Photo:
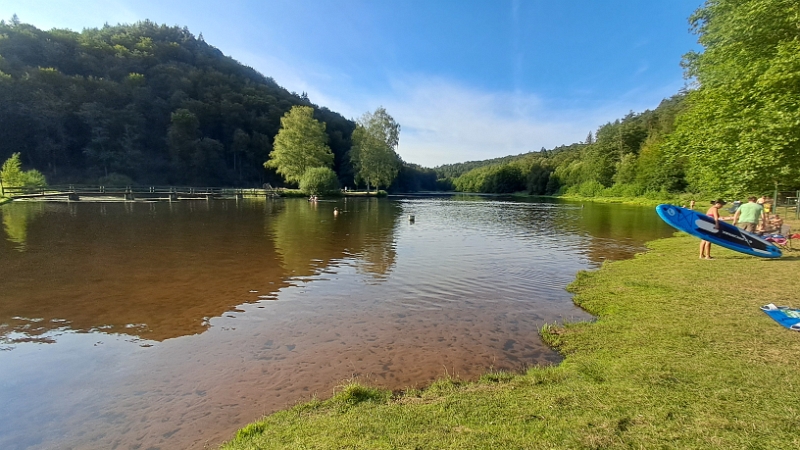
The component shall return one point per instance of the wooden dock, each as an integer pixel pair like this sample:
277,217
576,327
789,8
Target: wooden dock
133,193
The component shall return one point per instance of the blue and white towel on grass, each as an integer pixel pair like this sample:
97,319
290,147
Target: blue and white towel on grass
788,317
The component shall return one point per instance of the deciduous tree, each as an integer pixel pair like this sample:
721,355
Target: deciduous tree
319,180
300,145
11,174
743,120
373,154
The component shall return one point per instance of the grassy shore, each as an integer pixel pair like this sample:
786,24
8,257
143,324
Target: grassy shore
4,200
675,199
680,356
642,201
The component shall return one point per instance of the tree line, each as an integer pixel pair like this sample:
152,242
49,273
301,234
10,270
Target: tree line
735,131
153,104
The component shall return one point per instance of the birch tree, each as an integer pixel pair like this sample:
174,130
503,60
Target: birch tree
373,154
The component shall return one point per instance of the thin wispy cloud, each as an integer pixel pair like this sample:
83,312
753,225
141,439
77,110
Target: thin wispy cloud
642,69
444,121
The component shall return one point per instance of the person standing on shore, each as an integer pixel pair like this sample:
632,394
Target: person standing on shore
713,212
749,215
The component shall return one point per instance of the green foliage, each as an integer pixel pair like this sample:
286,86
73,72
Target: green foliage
115,137
147,101
413,178
115,179
538,181
300,145
591,188
250,431
498,179
625,159
12,175
453,171
292,193
741,130
319,181
373,154
11,171
656,171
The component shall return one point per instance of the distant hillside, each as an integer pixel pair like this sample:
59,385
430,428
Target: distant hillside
623,158
145,103
457,169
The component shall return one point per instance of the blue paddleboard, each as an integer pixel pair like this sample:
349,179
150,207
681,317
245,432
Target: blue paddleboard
728,236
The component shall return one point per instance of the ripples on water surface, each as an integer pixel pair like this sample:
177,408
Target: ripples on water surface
170,325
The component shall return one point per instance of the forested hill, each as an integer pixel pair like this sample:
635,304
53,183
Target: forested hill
625,154
143,103
457,169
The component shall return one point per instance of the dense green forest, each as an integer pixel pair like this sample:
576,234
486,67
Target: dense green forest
143,103
735,131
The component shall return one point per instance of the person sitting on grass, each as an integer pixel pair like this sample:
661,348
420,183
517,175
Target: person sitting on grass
775,224
713,212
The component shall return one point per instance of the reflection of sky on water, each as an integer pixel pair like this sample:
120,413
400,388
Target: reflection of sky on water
164,319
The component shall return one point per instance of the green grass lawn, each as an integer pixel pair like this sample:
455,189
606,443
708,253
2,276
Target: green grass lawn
680,356
677,199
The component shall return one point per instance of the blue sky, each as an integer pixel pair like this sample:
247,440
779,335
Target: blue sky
466,79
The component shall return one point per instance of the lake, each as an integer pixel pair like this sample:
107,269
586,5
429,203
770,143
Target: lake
137,325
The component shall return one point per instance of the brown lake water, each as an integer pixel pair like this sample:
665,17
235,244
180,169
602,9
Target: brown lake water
170,325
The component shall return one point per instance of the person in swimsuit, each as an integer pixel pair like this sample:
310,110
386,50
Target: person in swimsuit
713,212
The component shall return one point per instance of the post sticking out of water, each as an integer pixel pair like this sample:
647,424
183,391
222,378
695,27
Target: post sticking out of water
410,218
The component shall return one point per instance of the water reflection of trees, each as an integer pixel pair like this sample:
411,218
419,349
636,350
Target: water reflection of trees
309,237
612,232
16,220
153,271
159,271
600,231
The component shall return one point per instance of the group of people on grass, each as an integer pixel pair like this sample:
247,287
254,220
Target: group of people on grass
753,216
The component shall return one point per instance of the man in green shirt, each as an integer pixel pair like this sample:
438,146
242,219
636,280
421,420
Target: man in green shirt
749,215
